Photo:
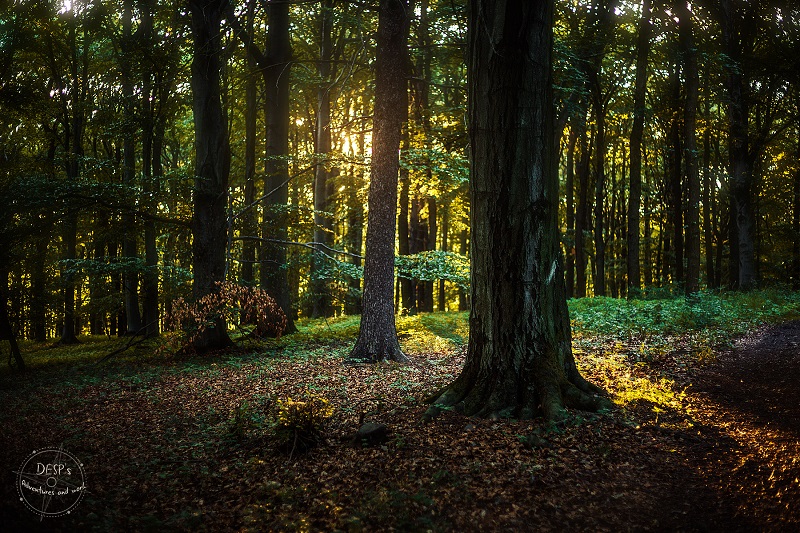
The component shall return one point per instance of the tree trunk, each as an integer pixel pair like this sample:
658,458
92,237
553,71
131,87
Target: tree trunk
639,111
708,193
796,219
582,216
249,222
323,225
353,238
463,295
445,230
407,299
274,277
692,86
676,181
6,331
130,276
519,359
430,245
212,163
570,186
377,338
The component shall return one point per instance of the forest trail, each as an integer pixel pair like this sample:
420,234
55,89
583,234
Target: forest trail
746,448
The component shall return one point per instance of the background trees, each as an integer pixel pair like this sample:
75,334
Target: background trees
98,133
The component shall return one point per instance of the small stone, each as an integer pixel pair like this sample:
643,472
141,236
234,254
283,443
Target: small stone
371,433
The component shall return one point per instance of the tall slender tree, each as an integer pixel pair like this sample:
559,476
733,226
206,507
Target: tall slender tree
377,337
637,131
692,89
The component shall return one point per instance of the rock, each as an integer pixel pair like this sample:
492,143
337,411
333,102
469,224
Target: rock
371,434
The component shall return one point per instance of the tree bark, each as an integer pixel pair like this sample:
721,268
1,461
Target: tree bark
274,278
692,87
637,131
377,338
249,222
212,162
519,359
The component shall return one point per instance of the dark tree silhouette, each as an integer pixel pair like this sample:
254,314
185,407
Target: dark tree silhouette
212,163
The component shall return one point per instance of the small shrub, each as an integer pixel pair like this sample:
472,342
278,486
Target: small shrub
300,423
237,305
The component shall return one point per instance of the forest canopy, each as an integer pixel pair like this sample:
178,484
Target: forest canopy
676,127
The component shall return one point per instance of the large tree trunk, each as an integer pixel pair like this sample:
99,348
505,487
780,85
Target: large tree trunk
323,225
692,86
519,359
639,108
377,338
212,163
274,277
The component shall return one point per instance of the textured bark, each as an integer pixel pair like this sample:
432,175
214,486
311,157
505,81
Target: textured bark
273,273
692,87
377,337
639,108
519,360
212,163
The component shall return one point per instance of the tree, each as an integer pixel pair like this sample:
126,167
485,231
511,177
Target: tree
519,358
275,70
323,225
377,337
634,202
212,162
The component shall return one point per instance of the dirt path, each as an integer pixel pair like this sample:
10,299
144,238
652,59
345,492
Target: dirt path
748,407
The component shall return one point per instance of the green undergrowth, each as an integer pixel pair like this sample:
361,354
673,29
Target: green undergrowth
720,316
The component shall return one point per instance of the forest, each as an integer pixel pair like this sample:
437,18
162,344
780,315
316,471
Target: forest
409,265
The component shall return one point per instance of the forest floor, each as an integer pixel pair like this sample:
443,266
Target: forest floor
703,438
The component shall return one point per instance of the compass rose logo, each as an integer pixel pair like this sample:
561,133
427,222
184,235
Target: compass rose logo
51,482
